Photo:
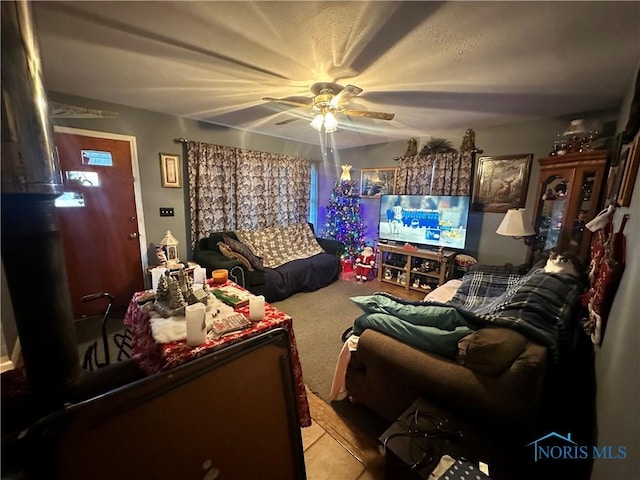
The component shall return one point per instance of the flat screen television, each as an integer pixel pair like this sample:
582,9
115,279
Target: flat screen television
424,220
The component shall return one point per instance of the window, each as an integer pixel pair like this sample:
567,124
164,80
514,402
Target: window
313,196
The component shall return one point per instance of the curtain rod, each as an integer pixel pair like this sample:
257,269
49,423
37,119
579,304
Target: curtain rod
180,140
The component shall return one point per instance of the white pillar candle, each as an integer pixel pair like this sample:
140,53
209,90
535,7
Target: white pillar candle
156,275
199,275
256,308
196,326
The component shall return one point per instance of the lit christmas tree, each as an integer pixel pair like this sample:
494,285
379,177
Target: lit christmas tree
343,218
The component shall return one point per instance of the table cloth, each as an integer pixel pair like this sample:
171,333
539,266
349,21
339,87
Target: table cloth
153,357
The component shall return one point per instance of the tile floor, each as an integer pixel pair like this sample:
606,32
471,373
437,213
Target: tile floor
337,450
326,459
329,456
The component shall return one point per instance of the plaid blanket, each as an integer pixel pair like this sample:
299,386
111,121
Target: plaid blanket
542,306
280,245
480,288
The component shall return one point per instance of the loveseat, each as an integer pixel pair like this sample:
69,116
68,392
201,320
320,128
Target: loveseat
495,380
275,262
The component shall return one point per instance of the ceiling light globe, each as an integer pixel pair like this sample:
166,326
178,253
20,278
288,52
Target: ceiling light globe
317,122
330,122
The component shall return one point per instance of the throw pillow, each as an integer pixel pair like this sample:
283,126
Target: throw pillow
227,252
490,350
465,260
213,239
242,249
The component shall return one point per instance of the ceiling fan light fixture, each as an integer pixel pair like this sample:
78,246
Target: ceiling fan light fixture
330,122
317,122
326,103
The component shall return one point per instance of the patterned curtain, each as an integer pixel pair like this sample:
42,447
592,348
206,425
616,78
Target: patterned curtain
233,188
435,174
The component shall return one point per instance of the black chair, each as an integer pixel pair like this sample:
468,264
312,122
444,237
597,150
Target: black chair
91,361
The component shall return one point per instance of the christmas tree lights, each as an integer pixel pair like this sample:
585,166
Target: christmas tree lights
344,222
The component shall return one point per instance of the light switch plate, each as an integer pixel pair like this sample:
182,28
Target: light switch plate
166,211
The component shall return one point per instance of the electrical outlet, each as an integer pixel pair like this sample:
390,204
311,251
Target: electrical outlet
166,211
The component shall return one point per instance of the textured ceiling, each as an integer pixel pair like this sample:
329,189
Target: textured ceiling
436,65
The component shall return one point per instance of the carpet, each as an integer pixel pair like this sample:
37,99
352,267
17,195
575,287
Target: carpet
319,319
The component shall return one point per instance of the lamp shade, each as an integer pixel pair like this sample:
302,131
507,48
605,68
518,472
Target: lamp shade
330,122
317,122
514,224
326,121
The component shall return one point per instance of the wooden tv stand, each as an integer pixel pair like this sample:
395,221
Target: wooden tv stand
428,267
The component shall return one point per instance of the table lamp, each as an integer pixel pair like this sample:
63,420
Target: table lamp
514,224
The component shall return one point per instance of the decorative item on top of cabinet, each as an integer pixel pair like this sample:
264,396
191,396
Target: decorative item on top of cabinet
569,192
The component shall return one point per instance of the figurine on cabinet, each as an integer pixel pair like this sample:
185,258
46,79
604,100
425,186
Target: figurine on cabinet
561,188
549,195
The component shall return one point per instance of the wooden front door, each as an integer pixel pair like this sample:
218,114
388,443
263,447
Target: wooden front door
98,220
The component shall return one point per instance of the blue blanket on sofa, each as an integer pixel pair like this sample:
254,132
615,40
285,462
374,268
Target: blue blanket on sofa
302,275
539,305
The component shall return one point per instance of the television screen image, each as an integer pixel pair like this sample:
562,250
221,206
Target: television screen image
424,220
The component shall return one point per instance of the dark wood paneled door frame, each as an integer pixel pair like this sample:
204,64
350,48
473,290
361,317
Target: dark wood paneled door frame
103,235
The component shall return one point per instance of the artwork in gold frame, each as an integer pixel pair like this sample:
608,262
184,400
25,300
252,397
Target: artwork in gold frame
501,182
170,170
375,182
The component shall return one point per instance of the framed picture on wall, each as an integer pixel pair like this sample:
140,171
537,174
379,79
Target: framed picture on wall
170,170
618,155
628,172
377,181
501,182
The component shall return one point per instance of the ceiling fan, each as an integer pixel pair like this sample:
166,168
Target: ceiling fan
63,110
329,99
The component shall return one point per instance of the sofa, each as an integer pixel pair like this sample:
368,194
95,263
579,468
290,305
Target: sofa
387,376
495,380
275,262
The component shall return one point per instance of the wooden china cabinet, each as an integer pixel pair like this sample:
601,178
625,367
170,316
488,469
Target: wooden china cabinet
568,197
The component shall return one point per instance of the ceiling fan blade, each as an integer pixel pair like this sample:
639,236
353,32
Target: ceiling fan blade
62,110
362,113
345,94
287,121
285,102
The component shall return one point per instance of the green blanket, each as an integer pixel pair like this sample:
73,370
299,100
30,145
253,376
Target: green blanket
433,328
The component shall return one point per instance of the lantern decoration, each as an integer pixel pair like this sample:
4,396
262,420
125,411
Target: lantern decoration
170,246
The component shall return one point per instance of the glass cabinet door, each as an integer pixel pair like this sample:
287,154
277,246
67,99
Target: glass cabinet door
584,210
568,197
551,212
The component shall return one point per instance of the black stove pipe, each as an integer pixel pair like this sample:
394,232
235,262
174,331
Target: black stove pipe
32,252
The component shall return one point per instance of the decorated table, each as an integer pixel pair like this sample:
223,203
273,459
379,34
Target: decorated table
154,357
